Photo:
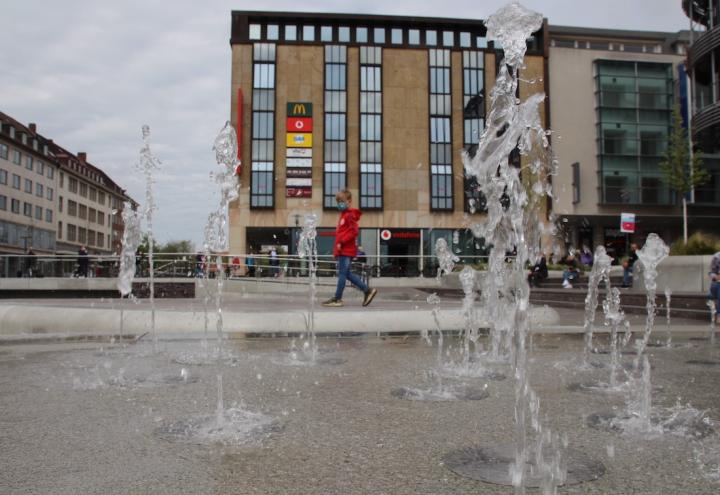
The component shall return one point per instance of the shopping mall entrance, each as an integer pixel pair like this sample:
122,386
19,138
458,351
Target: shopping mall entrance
399,251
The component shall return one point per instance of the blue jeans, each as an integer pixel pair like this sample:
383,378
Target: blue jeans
628,275
715,294
344,273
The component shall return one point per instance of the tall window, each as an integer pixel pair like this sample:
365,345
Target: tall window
441,190
262,190
371,184
473,121
634,119
335,153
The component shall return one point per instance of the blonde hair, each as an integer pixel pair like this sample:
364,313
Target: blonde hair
343,195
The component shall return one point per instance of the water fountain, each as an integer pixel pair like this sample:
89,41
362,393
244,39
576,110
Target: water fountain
599,273
513,225
652,253
668,294
307,249
132,236
148,163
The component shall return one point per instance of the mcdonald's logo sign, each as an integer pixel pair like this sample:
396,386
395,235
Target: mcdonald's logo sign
299,109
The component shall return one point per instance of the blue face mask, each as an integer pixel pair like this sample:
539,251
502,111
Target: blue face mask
342,206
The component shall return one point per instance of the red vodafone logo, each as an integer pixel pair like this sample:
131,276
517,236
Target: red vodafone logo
385,235
299,124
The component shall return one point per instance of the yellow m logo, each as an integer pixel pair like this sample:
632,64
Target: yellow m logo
298,109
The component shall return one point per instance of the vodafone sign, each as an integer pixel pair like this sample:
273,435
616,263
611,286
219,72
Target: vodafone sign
299,124
385,235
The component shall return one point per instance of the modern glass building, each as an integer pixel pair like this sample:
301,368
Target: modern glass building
380,105
703,59
612,93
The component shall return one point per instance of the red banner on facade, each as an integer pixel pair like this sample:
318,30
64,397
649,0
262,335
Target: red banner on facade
299,124
298,192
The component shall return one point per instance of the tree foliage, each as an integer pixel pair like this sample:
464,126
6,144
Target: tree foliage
681,172
171,247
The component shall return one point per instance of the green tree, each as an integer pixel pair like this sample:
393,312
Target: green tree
682,171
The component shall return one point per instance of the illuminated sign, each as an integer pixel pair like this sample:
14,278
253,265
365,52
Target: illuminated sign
299,140
299,124
299,109
298,153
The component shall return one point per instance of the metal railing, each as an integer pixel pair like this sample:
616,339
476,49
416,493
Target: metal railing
190,265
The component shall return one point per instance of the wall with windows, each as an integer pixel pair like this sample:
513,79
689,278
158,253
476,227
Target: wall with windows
584,108
27,195
389,116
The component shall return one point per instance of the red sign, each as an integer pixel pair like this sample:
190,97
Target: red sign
298,192
385,235
299,124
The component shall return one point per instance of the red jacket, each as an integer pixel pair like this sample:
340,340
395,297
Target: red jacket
346,233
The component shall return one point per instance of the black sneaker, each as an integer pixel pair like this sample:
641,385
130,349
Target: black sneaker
333,303
369,296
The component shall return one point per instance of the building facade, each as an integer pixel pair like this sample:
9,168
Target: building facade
703,59
611,99
28,189
380,105
89,206
52,202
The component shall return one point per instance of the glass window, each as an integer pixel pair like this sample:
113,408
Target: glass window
396,36
343,34
361,35
379,35
40,167
3,202
28,162
51,173
308,33
4,150
38,212
3,176
83,190
465,40
16,181
15,206
431,37
27,209
481,42
17,157
370,127
255,32
335,101
335,76
414,37
370,78
448,38
264,76
263,125
335,126
326,33
28,186
273,32
39,190
290,33
50,193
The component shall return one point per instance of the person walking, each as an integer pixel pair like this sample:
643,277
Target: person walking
628,266
250,264
715,284
345,249
83,262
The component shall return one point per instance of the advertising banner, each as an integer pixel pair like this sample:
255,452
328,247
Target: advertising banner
290,182
299,152
299,124
299,109
627,222
299,140
298,192
299,163
298,173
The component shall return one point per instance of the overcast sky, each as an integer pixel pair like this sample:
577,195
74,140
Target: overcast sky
91,73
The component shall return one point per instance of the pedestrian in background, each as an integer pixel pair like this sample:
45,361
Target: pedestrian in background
715,284
629,266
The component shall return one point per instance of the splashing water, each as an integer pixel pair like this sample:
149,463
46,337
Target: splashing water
446,258
651,254
470,334
600,273
225,148
713,312
614,316
307,248
130,241
514,219
668,294
434,300
148,163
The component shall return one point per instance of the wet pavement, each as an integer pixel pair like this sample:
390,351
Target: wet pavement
94,418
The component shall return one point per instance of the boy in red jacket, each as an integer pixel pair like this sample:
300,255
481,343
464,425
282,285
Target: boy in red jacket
345,250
